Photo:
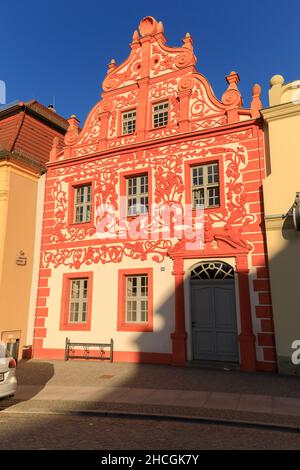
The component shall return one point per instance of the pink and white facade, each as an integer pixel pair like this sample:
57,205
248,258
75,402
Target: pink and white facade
158,137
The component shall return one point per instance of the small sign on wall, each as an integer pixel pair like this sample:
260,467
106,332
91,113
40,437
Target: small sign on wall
21,259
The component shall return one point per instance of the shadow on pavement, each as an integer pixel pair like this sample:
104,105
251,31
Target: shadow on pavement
34,376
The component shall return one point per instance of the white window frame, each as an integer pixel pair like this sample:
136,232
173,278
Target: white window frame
81,300
140,196
139,298
128,122
206,186
160,114
83,207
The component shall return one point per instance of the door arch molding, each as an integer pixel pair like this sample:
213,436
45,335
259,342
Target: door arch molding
211,270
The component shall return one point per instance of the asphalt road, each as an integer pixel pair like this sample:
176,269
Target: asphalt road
45,431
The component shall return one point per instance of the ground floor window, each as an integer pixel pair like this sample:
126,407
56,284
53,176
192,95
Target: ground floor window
76,301
135,300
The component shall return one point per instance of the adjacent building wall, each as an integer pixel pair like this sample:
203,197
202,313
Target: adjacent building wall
18,228
282,121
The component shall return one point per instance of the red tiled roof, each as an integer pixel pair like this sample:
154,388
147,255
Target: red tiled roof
29,128
8,131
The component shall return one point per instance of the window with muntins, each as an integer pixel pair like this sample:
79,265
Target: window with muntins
83,204
205,186
137,195
137,299
78,300
128,122
160,113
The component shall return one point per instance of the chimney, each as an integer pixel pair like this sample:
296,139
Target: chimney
51,107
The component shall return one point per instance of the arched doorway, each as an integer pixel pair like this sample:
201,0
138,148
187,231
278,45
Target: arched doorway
213,312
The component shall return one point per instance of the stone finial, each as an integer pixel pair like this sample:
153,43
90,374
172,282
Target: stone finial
232,98
73,123
73,130
188,41
256,104
233,79
54,149
276,80
135,43
148,26
112,66
160,27
135,36
160,32
275,92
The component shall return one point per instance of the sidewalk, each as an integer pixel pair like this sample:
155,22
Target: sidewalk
189,391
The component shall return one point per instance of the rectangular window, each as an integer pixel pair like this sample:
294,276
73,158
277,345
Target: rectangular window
136,299
78,300
160,114
205,185
83,204
137,195
128,122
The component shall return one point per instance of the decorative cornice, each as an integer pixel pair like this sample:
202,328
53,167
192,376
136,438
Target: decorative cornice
18,158
239,126
280,111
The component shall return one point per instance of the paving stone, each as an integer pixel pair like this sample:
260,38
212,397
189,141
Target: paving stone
255,403
223,401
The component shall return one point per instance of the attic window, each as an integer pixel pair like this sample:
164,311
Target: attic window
160,112
128,122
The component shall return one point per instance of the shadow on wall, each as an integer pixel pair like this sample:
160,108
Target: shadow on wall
147,380
285,267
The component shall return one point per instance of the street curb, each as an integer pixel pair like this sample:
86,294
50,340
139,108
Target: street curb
163,417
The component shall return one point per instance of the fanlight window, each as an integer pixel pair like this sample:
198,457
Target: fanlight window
212,270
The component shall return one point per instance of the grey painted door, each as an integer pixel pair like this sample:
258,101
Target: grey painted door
214,329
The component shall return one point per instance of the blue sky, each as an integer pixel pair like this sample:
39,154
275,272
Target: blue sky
62,48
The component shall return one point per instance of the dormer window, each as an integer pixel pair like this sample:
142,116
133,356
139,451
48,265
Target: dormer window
160,113
128,122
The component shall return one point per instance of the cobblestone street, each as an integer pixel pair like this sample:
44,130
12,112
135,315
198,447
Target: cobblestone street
97,433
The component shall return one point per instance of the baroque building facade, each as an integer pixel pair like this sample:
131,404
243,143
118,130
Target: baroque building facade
158,139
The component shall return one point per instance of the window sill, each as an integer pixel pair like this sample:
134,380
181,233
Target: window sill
138,327
212,208
127,135
82,224
157,128
131,217
77,327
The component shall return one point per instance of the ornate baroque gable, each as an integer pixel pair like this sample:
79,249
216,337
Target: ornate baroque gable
154,72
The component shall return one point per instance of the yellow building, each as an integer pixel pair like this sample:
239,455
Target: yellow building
26,135
282,126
